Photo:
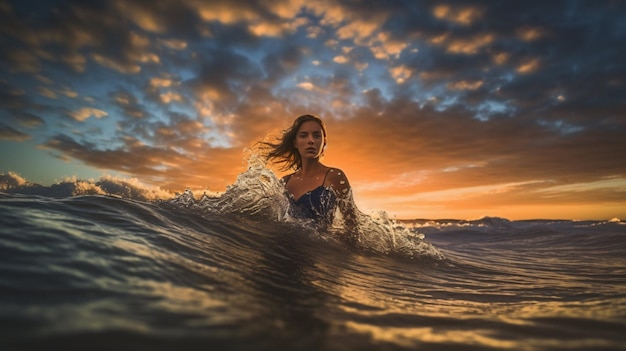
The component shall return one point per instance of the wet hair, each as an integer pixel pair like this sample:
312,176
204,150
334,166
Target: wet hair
283,151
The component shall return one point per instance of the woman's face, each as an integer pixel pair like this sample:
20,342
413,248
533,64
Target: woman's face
310,140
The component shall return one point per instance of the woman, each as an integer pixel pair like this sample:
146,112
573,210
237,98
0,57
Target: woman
314,189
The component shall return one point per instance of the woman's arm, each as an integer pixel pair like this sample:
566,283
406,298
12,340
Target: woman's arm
345,201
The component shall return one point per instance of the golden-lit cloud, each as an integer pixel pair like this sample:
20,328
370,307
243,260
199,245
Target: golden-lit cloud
465,85
86,112
530,33
158,82
528,66
119,66
224,12
463,15
174,44
469,45
47,92
140,16
384,47
340,59
266,29
68,92
358,30
306,85
400,73
501,58
171,96
348,23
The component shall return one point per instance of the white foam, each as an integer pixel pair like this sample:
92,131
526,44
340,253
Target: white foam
259,194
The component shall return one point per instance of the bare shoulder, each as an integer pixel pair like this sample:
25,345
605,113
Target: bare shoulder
338,180
336,174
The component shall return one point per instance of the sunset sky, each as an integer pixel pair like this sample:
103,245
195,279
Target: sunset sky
435,109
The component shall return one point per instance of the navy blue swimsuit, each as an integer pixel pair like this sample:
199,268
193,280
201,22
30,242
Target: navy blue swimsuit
317,204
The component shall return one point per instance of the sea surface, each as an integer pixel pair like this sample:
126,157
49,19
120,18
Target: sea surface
99,266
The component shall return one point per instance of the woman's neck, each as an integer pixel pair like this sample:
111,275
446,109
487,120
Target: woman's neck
310,166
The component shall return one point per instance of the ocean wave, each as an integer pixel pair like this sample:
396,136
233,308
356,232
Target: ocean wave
490,225
231,270
257,196
132,189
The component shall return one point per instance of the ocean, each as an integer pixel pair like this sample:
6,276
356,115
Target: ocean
100,266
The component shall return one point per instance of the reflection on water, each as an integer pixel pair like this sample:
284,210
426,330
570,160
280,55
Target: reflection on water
120,273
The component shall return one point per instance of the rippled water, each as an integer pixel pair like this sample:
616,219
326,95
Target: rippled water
234,272
100,272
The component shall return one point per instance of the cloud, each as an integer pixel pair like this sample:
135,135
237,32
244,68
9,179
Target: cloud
170,96
463,15
469,45
11,180
129,104
220,73
384,46
23,61
75,60
465,85
528,66
422,100
400,73
10,134
117,65
306,85
83,113
340,59
28,120
530,33
175,44
423,138
177,160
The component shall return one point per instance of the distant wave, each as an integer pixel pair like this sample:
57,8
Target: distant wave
501,225
132,189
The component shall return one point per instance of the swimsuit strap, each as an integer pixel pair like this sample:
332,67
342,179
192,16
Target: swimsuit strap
326,176
287,177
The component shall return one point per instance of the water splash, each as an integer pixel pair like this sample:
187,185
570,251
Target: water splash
386,236
259,195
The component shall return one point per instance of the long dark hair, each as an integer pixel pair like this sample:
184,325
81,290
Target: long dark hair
283,151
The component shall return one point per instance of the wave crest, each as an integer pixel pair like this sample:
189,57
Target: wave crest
106,185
